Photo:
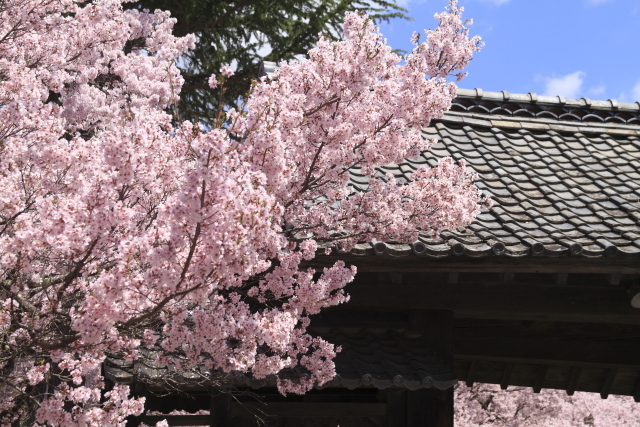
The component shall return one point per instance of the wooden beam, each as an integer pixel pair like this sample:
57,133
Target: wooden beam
574,343
466,358
308,410
178,420
613,279
608,383
345,317
453,278
542,373
562,376
574,377
636,393
396,278
506,375
411,263
473,368
589,304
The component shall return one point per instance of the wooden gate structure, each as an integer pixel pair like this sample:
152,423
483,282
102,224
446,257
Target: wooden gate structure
536,292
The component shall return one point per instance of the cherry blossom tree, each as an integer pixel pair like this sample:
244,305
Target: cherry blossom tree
119,231
487,405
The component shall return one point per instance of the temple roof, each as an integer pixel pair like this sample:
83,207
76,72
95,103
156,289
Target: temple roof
380,359
564,176
387,359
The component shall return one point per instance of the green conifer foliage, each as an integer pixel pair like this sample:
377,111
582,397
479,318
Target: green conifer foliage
245,32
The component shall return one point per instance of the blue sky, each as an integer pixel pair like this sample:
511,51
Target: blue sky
574,48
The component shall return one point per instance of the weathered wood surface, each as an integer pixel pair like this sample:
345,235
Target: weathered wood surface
605,344
560,375
407,264
219,409
497,300
599,358
307,410
587,343
178,420
433,407
396,407
537,354
430,408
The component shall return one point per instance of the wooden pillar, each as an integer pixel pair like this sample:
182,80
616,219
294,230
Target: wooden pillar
433,407
396,407
430,408
219,409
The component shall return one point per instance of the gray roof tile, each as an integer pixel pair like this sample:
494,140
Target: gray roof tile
573,183
381,360
388,359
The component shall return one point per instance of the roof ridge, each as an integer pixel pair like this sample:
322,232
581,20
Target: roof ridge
533,98
537,124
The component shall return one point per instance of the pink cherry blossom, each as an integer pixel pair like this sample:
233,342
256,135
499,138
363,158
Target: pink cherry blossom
226,71
213,82
120,231
487,405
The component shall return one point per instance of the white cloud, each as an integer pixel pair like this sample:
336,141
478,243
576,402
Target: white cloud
568,86
597,91
597,2
495,2
403,3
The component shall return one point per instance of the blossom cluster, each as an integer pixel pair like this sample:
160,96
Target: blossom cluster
353,104
119,230
488,405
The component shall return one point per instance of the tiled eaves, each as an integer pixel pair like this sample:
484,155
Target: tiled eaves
560,188
381,360
385,360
